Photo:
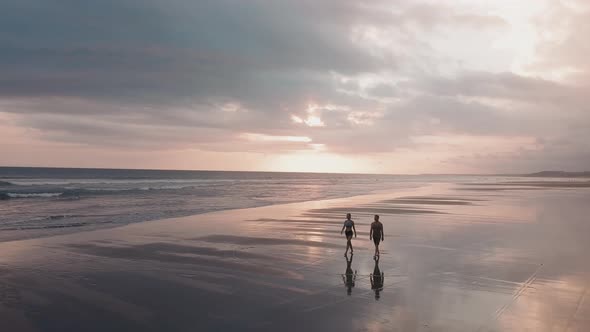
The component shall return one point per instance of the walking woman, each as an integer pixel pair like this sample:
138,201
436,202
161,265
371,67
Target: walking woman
349,227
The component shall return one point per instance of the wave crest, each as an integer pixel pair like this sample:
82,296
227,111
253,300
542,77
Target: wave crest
31,195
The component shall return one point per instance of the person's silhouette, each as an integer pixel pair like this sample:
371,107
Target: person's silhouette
350,229
376,234
349,277
377,279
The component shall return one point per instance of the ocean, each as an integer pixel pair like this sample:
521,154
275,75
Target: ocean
39,201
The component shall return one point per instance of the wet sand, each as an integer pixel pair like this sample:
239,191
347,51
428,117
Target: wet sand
452,260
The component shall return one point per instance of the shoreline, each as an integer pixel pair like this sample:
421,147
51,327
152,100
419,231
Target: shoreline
17,235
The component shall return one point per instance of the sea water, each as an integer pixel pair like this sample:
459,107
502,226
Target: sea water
66,199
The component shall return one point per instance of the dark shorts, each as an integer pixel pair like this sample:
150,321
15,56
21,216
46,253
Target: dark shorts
348,233
376,240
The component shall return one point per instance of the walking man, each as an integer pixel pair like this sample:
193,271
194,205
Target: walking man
376,234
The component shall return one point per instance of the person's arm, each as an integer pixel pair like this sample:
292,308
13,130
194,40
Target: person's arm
342,230
371,233
354,229
382,234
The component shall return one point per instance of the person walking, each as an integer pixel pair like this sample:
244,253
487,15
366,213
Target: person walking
349,227
376,234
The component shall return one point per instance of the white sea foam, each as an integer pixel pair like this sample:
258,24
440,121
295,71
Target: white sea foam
32,195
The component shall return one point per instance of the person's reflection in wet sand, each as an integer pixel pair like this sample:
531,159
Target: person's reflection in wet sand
349,277
377,279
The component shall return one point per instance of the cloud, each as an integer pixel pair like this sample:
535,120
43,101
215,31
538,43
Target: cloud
150,51
503,85
352,77
562,45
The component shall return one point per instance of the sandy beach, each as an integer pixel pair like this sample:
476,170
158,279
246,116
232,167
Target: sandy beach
455,258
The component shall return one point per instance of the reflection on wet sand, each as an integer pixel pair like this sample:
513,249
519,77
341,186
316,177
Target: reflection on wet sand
349,277
514,260
377,279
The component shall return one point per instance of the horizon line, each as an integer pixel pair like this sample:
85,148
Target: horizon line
284,172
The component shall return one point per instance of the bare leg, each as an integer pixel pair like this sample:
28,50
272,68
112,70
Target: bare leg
377,250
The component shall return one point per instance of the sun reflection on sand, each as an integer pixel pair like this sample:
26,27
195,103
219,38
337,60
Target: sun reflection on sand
547,305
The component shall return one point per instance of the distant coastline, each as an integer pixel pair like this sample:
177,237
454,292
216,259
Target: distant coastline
560,174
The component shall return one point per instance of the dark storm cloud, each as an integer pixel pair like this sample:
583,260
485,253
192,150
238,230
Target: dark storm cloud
153,51
129,49
126,63
174,63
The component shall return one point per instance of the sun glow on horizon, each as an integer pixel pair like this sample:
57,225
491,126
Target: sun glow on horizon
317,161
312,119
270,138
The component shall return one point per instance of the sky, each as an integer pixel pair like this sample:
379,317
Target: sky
400,86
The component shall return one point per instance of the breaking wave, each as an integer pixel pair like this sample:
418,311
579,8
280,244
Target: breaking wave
32,195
